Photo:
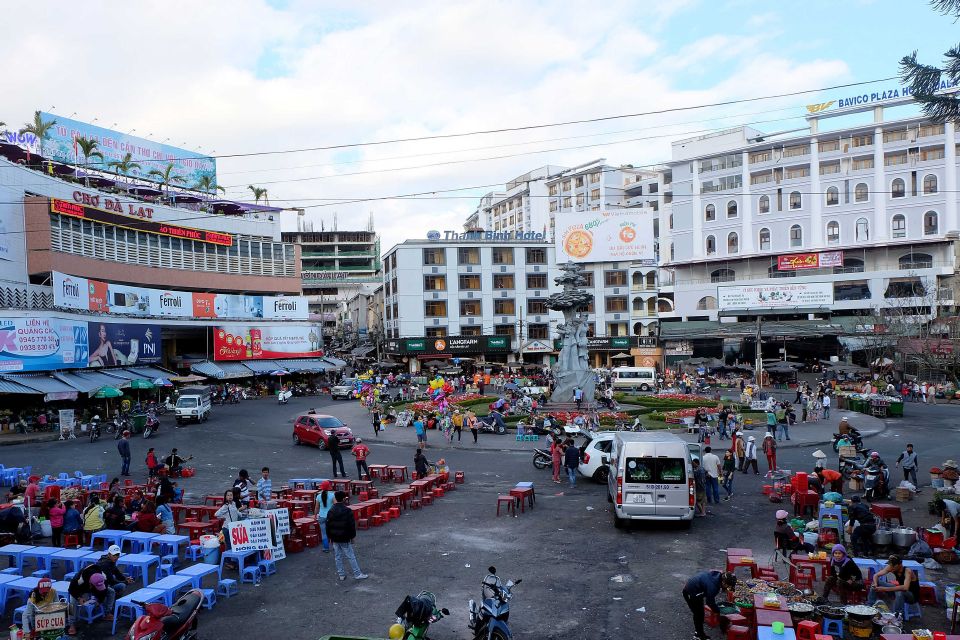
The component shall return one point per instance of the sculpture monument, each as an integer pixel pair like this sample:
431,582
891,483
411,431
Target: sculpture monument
572,368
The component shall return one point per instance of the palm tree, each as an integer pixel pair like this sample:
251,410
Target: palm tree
89,148
165,177
124,166
207,185
39,127
258,193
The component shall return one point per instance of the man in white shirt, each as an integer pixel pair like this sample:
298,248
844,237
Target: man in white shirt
826,405
711,464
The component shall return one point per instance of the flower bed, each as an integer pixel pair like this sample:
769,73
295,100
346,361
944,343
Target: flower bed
458,399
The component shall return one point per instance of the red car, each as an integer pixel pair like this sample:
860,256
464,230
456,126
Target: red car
315,428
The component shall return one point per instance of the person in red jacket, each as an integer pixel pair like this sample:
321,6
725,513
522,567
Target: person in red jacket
151,462
360,451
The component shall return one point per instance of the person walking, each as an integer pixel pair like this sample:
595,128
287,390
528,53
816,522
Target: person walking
265,488
826,402
124,448
324,504
420,429
375,417
56,510
578,397
711,464
740,449
457,423
771,421
571,461
728,467
750,455
472,424
333,445
770,450
702,590
699,490
342,529
151,462
556,457
910,463
360,451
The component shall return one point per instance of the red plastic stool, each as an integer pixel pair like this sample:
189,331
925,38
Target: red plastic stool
364,496
823,637
739,633
394,513
438,493
767,573
376,520
767,489
736,620
414,476
928,593
415,503
363,523
292,544
299,514
427,499
458,477
808,630
385,516
509,501
710,617
804,578
450,486
373,492
71,540
311,540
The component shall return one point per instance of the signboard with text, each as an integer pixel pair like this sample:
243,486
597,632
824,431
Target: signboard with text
254,534
449,344
797,261
775,296
610,235
123,343
42,344
266,342
614,343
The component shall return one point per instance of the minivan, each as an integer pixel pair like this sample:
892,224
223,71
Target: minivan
634,378
650,477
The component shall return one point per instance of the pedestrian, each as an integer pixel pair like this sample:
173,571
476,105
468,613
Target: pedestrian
711,465
342,529
56,511
571,461
243,483
333,445
750,453
556,457
931,393
151,462
727,470
92,518
375,417
472,424
770,450
124,448
360,451
457,423
702,590
324,503
910,463
741,451
265,488
771,421
420,429
826,405
788,415
700,489
804,408
578,397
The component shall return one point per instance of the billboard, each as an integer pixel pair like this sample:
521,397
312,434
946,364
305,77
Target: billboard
42,344
72,292
775,296
121,343
261,342
189,166
796,261
605,236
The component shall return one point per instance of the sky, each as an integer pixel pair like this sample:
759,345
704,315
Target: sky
238,77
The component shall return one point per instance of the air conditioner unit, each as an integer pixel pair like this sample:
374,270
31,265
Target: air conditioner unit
435,270
469,269
436,296
502,269
503,294
469,294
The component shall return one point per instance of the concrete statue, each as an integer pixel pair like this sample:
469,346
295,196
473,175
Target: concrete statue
572,368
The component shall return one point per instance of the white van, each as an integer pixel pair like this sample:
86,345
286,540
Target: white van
651,477
634,378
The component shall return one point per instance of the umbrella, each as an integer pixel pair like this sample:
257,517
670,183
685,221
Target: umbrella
622,356
162,382
106,393
141,384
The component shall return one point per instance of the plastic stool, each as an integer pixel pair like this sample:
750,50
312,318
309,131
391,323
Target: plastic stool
805,576
363,523
384,516
807,630
267,567
928,593
364,496
376,520
509,502
415,503
710,617
438,493
394,513
311,540
519,438
71,540
172,558
41,573
251,574
209,598
90,611
414,475
833,627
450,486
194,551
164,569
736,632
18,614
458,477
227,588
427,499
911,610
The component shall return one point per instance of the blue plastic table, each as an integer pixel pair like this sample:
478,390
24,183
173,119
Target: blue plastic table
196,572
169,542
766,633
139,540
142,562
140,595
72,557
170,585
42,554
239,556
62,587
26,585
15,553
5,579
109,536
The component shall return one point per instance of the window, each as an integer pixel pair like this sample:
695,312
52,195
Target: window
710,213
732,209
898,188
470,282
861,164
566,185
553,190
894,159
503,281
795,200
468,255
931,153
796,172
723,275
672,252
763,206
471,330
850,265
588,278
929,184
760,156
434,256
833,196
861,193
536,256
928,130
833,232
863,230
862,141
580,199
895,136
536,281
795,151
595,177
707,303
764,239
537,306
553,205
595,194
435,308
579,182
614,278
855,290
905,288
567,202
830,145
916,261
710,245
930,226
470,308
615,304
434,283
898,226
796,236
436,332
504,307
538,331
504,330
502,255
733,243
670,221
828,168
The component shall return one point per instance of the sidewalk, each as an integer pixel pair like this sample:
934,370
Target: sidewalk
9,439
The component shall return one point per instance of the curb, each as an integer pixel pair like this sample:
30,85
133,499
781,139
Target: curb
50,437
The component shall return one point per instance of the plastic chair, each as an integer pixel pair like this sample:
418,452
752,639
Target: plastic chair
90,611
251,574
227,588
911,610
63,476
209,598
807,630
164,569
267,567
833,627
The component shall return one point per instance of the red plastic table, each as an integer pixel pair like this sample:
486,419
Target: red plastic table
397,472
377,471
766,617
523,495
421,486
886,512
196,529
356,486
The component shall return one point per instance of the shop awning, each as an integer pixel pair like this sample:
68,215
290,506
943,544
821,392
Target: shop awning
88,384
123,374
262,367
102,379
221,370
207,369
9,386
769,328
234,370
363,350
150,373
41,383
310,365
337,362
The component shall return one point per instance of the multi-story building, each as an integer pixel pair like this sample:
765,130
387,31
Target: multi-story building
865,214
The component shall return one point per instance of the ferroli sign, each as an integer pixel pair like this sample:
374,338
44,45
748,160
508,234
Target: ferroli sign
615,343
487,236
451,345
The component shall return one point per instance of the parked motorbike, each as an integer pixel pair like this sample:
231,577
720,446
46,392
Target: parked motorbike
542,459
489,618
152,425
160,622
94,428
492,423
414,616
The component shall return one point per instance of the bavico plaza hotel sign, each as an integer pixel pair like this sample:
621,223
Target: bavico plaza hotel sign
453,344
138,220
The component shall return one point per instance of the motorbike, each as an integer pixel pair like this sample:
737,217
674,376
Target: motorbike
876,483
284,396
168,406
489,618
542,459
853,437
120,424
152,425
94,428
492,423
415,615
160,622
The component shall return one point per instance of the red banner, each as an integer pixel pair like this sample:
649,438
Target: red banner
797,261
266,342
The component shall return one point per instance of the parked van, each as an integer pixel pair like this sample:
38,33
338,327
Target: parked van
651,477
634,378
193,404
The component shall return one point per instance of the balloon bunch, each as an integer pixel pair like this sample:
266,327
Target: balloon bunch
439,390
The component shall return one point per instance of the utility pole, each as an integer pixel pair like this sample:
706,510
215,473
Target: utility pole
759,359
520,336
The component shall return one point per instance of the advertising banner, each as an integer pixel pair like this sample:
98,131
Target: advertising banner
605,236
237,306
70,291
42,344
775,296
451,344
131,301
254,534
121,343
796,261
285,308
189,166
260,342
178,304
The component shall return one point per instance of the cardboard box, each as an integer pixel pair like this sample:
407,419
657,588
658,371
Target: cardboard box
848,451
856,484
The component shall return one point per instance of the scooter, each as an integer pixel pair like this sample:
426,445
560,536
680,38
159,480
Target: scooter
542,459
414,616
876,483
160,622
492,423
853,437
152,425
94,428
489,619
284,396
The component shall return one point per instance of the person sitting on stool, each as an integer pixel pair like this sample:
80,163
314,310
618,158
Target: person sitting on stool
907,587
861,527
702,589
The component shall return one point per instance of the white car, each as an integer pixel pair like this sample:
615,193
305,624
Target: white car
594,448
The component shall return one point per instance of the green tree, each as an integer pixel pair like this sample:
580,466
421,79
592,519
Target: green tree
925,80
166,177
124,166
39,127
258,193
207,185
89,148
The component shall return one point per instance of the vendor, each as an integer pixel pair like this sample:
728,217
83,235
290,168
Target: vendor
844,427
703,589
906,587
950,474
949,512
861,527
835,478
845,575
786,538
42,596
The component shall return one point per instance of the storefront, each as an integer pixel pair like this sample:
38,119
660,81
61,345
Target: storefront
481,349
621,351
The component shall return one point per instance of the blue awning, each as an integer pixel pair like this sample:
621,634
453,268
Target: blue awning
337,362
234,370
262,367
9,386
41,383
221,370
207,369
311,365
150,373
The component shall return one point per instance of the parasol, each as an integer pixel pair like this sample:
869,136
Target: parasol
107,392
